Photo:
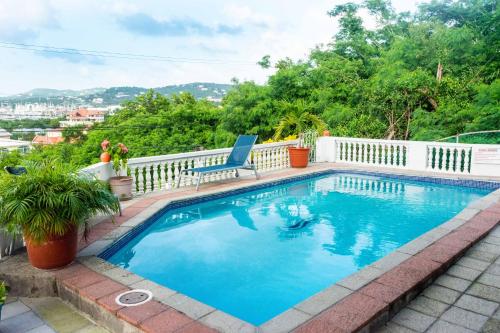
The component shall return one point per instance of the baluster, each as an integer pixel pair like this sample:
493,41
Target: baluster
133,174
140,178
460,160
429,157
156,177
348,157
273,159
176,173
382,153
167,174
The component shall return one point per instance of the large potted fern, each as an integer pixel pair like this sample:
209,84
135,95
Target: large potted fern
49,204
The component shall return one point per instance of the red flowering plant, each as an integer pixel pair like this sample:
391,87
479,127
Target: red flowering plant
106,146
120,159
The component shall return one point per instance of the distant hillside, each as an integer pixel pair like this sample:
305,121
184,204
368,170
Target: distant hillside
115,95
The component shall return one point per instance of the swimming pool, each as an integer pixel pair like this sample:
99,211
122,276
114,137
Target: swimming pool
256,254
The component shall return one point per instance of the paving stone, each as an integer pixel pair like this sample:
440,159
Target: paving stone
92,329
476,304
96,264
357,280
355,312
487,292
188,305
226,323
58,314
492,239
101,289
109,302
494,269
21,323
415,246
13,309
138,314
324,299
391,260
123,276
490,248
83,279
196,327
453,282
441,294
43,329
475,264
467,213
159,292
463,272
481,255
428,306
95,248
442,326
414,320
285,322
491,326
381,292
453,223
490,280
167,321
391,327
464,318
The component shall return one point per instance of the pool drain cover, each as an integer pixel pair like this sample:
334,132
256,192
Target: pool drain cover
134,297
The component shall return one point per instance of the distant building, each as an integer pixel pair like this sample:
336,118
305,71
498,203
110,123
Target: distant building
51,137
4,134
12,145
83,116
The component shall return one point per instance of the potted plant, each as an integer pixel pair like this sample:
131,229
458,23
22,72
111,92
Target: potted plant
3,296
48,205
297,120
105,156
121,185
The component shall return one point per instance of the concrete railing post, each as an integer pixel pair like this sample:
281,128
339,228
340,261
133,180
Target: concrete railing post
417,156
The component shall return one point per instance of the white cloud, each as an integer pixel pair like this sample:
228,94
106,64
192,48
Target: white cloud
21,20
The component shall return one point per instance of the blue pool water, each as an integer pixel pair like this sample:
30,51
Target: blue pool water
255,255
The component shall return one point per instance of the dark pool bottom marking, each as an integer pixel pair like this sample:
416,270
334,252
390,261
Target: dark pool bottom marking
300,225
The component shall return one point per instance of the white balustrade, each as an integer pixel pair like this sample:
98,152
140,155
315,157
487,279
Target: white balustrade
384,153
448,158
161,172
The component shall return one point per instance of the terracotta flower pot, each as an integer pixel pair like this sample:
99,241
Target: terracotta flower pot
105,157
326,133
121,187
299,157
56,251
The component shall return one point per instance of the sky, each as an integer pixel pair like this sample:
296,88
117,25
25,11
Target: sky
195,40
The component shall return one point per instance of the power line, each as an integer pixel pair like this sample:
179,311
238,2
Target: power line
119,55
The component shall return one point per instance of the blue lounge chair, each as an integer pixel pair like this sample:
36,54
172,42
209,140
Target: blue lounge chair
238,159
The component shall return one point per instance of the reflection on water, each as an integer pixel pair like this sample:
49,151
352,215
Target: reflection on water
257,254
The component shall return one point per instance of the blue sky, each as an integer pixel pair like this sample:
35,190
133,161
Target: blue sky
234,33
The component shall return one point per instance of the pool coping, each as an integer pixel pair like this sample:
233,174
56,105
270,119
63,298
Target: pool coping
455,234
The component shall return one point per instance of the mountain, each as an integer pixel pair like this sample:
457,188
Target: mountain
115,95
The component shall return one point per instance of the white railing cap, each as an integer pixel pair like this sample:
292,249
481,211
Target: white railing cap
201,153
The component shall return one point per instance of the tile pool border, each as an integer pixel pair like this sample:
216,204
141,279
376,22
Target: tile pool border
379,290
